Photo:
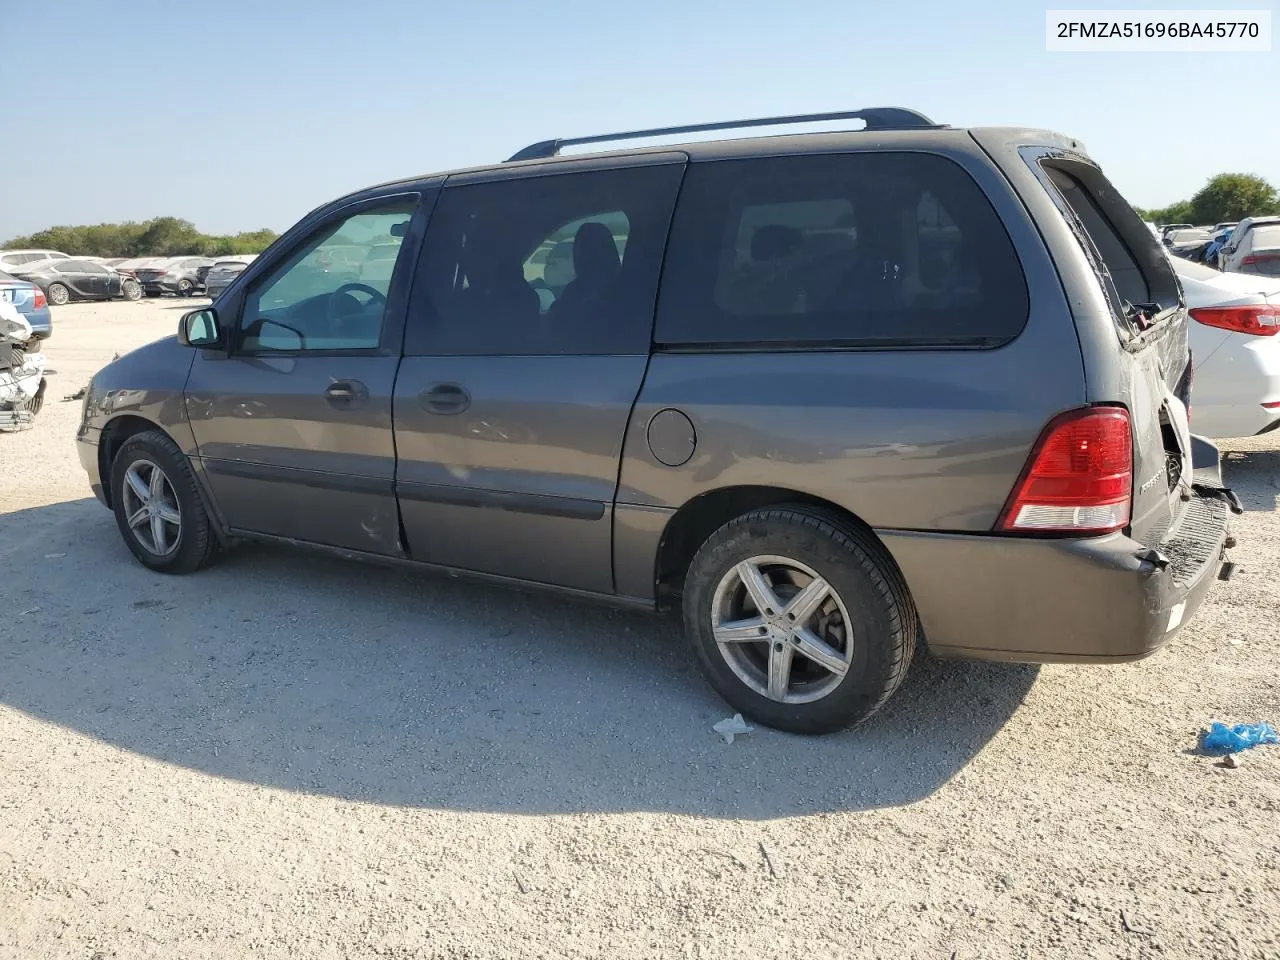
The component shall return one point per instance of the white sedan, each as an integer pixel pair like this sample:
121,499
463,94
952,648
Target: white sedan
1235,347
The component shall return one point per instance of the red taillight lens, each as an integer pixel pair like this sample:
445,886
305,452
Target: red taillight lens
1259,320
41,300
1079,478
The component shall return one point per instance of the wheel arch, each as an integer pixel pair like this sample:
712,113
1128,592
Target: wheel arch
701,516
114,434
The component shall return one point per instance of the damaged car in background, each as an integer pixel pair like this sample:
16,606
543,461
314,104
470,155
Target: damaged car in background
22,381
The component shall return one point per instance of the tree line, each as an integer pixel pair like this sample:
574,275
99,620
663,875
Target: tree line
1228,196
159,237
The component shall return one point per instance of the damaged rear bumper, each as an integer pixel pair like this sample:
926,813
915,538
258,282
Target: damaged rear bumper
1106,599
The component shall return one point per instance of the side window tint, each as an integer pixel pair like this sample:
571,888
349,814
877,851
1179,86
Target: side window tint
321,297
559,264
856,248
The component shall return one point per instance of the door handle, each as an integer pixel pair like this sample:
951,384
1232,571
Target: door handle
345,391
445,398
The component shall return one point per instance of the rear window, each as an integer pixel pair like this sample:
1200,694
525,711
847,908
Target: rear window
1132,267
1267,237
874,249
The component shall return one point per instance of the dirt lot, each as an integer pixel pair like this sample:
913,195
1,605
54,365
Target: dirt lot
288,756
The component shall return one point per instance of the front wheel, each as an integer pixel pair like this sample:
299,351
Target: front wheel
58,294
132,290
185,288
157,506
798,619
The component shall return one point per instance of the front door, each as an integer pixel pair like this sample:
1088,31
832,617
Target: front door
527,341
293,420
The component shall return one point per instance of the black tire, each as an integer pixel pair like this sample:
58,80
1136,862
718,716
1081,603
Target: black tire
196,541
185,288
58,294
865,580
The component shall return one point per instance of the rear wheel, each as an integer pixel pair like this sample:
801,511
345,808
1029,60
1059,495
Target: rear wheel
58,294
131,289
798,619
157,506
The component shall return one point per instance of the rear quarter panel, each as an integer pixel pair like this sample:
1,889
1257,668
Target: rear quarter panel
908,440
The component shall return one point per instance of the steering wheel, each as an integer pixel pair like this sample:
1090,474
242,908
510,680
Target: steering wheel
363,288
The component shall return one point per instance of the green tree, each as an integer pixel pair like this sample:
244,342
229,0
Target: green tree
1179,212
161,236
1234,196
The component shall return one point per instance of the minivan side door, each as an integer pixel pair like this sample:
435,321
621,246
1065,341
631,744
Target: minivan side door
293,418
526,342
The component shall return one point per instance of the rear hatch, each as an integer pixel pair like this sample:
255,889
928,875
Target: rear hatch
1150,370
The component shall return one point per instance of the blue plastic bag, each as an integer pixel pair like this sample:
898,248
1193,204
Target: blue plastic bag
1224,739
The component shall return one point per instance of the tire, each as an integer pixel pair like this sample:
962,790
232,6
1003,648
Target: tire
131,290
58,294
194,542
864,590
185,288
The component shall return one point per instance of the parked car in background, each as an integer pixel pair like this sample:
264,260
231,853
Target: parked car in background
16,258
114,261
1254,247
1209,256
223,271
837,395
1168,228
72,279
1226,225
31,303
1182,242
1236,349
131,265
180,276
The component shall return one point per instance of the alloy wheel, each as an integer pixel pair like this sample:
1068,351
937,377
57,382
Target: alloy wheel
782,629
151,507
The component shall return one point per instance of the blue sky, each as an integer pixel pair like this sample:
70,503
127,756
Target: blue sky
238,115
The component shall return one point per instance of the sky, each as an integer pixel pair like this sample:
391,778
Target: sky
239,115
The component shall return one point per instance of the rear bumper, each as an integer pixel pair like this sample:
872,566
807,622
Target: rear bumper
1102,600
159,286
41,323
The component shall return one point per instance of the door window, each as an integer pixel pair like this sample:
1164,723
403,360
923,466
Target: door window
318,297
560,264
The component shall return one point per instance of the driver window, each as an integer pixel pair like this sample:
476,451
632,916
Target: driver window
325,295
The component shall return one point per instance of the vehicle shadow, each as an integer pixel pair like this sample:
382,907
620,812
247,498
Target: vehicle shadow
307,673
1255,477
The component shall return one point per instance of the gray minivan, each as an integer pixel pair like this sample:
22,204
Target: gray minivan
836,395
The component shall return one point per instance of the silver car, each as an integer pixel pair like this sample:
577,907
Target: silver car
223,272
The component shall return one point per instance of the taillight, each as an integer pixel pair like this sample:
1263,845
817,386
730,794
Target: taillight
1079,477
41,300
1259,320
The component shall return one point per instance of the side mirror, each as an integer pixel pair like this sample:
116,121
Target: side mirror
199,328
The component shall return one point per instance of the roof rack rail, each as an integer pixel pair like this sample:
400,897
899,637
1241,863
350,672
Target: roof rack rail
876,118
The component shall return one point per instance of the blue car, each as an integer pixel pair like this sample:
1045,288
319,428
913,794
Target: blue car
31,303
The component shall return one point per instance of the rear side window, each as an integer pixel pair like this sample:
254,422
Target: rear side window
873,249
560,264
1127,258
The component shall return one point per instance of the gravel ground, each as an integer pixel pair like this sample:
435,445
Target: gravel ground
288,756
